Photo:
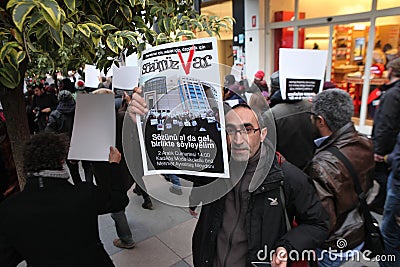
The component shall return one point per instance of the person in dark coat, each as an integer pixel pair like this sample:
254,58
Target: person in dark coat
51,222
232,90
125,237
42,105
250,218
243,220
61,120
331,114
294,130
259,84
8,173
391,212
385,130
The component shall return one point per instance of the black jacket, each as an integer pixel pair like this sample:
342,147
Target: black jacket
61,120
295,132
387,120
265,223
56,225
45,100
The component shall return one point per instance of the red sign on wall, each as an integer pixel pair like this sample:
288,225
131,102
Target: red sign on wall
253,21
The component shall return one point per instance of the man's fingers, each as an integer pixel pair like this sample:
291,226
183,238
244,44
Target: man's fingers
138,105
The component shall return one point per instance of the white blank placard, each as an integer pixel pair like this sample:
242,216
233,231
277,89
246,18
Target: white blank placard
94,127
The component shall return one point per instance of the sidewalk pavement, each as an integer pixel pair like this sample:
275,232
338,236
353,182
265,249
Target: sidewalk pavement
163,235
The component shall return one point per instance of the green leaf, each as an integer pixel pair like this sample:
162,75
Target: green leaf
170,8
68,28
96,9
48,19
6,48
139,23
155,10
111,44
131,38
31,46
197,24
161,25
41,31
21,56
10,76
120,42
95,28
126,11
149,37
70,4
96,41
12,57
141,47
167,21
19,14
35,19
143,3
108,27
94,18
12,3
132,3
17,35
53,11
84,29
57,36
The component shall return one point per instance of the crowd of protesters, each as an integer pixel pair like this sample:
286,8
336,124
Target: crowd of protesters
303,197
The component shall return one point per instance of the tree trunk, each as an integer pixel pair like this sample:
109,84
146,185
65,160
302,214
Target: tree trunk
13,104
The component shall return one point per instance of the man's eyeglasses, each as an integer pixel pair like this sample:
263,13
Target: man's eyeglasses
312,113
246,130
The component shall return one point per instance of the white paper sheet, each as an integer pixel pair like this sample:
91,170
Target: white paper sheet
94,127
91,76
126,77
301,65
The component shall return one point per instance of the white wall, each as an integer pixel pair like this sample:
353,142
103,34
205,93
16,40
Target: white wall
255,37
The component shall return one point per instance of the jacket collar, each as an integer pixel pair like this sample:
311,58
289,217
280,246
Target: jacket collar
340,134
390,85
268,169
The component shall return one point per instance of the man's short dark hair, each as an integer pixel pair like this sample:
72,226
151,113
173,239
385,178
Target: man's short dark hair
335,106
395,65
45,151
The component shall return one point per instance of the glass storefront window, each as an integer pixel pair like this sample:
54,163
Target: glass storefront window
318,9
383,4
281,10
316,38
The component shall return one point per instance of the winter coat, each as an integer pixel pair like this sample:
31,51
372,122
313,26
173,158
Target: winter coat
54,223
393,159
61,120
295,132
387,120
8,173
265,220
335,186
45,100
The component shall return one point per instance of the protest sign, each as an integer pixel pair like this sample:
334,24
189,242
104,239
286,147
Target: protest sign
94,127
92,75
181,86
125,79
301,72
